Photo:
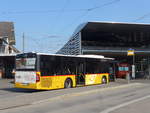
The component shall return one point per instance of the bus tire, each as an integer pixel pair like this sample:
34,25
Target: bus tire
104,80
68,83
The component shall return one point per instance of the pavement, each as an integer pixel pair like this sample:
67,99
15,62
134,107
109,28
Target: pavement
6,83
143,106
16,99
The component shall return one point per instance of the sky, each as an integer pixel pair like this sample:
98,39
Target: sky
48,24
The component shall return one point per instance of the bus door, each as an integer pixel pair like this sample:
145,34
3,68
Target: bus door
80,74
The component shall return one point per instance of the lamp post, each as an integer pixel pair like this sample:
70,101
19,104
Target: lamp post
23,43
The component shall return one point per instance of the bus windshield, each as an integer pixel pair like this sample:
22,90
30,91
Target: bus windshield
25,62
123,69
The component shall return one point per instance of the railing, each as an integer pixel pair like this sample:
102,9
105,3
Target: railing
113,48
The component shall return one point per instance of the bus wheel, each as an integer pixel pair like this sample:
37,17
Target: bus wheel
104,80
68,83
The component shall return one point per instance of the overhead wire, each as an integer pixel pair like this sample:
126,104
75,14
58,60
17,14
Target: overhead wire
42,45
85,12
37,44
141,17
55,10
40,11
28,37
58,17
90,10
105,4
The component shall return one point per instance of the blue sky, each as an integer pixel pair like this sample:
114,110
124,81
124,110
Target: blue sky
48,24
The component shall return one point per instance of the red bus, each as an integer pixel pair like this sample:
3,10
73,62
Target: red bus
122,70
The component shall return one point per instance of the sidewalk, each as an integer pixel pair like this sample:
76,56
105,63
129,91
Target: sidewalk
6,83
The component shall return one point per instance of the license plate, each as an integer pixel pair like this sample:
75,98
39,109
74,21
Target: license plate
25,84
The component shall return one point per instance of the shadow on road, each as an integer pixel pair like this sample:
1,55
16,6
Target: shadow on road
8,85
19,90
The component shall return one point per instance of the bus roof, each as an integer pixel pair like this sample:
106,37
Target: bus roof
7,55
94,56
79,56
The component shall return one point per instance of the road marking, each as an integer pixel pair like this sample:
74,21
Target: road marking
69,95
124,104
12,107
66,96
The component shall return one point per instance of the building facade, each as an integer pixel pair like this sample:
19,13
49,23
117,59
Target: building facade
112,40
7,49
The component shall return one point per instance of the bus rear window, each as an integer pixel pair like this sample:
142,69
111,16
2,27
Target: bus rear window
25,63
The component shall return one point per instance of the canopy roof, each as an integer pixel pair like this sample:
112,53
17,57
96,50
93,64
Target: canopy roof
112,26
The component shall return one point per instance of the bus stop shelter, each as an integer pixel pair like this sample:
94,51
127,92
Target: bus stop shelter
7,64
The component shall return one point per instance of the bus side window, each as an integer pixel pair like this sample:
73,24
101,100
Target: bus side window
46,66
56,66
68,66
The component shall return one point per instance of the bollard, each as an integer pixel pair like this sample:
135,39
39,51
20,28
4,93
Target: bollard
128,77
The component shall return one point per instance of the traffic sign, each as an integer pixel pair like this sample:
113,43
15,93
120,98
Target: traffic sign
130,53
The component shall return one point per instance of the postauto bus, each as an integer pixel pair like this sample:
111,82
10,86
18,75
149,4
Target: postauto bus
47,71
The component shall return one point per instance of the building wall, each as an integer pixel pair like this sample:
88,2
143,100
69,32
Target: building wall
73,46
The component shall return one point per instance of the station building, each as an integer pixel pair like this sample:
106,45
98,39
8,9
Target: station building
113,40
7,49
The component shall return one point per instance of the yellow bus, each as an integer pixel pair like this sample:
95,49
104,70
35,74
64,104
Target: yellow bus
51,71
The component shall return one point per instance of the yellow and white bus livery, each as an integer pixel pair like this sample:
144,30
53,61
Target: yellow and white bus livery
47,71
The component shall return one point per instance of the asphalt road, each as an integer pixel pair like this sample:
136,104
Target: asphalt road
7,89
112,98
